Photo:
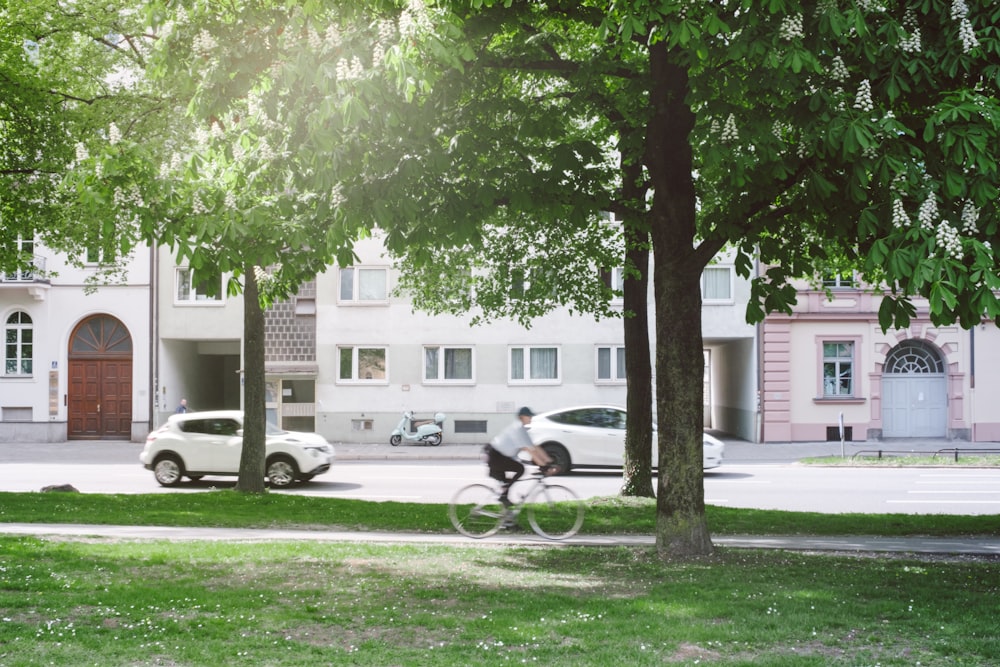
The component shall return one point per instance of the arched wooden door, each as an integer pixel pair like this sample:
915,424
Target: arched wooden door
100,380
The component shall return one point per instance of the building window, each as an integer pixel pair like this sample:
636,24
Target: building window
838,280
534,365
611,363
363,285
838,369
362,364
25,247
191,289
448,364
717,284
18,344
614,280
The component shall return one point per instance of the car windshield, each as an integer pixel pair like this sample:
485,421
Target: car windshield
274,430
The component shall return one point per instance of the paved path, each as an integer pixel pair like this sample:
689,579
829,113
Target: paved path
917,545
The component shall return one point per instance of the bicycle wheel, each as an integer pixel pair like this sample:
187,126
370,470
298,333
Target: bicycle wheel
555,512
475,511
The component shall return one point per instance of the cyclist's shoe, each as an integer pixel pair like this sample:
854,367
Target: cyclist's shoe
510,524
551,469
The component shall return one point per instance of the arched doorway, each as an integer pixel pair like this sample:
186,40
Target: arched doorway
100,380
915,392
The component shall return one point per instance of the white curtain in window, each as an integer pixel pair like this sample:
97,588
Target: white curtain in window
431,363
371,284
347,284
544,363
517,363
604,363
716,281
458,364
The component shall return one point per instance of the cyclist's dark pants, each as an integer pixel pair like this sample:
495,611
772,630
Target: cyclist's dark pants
500,465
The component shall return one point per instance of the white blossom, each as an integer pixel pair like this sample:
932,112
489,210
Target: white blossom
970,215
729,131
928,213
215,130
838,70
230,200
899,217
114,134
81,152
337,197
948,239
792,28
204,43
347,71
960,13
314,39
863,98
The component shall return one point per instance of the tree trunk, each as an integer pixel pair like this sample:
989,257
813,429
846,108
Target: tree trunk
681,529
638,470
251,478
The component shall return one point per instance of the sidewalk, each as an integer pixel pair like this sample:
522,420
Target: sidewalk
979,546
737,451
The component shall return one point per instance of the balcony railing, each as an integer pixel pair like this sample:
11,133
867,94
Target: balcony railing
34,274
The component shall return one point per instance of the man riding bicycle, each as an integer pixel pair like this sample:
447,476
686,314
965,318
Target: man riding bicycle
503,450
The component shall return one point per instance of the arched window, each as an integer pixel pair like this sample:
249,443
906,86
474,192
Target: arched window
913,357
18,344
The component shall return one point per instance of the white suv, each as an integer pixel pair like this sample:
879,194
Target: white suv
196,444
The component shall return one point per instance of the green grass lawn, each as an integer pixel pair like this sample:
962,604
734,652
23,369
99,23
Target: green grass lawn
155,602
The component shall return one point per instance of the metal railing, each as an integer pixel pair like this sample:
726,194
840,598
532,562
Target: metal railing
35,274
954,452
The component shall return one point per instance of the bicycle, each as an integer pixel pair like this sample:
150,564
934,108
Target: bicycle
554,511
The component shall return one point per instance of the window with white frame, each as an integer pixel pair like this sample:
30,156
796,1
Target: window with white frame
358,363
18,344
26,248
363,285
838,369
717,284
838,280
191,288
448,364
614,279
534,364
610,363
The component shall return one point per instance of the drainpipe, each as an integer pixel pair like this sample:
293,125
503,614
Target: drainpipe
154,333
972,383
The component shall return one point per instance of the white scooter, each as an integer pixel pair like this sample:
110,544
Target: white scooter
427,431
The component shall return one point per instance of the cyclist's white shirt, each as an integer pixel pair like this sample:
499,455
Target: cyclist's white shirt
511,440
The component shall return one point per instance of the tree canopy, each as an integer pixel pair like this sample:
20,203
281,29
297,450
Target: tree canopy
850,133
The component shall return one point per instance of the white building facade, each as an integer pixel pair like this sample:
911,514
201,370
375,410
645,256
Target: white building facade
76,362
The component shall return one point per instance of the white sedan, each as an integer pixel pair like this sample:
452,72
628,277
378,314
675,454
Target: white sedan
593,436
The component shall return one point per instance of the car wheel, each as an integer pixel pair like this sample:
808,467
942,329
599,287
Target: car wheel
168,470
282,471
560,457
395,440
